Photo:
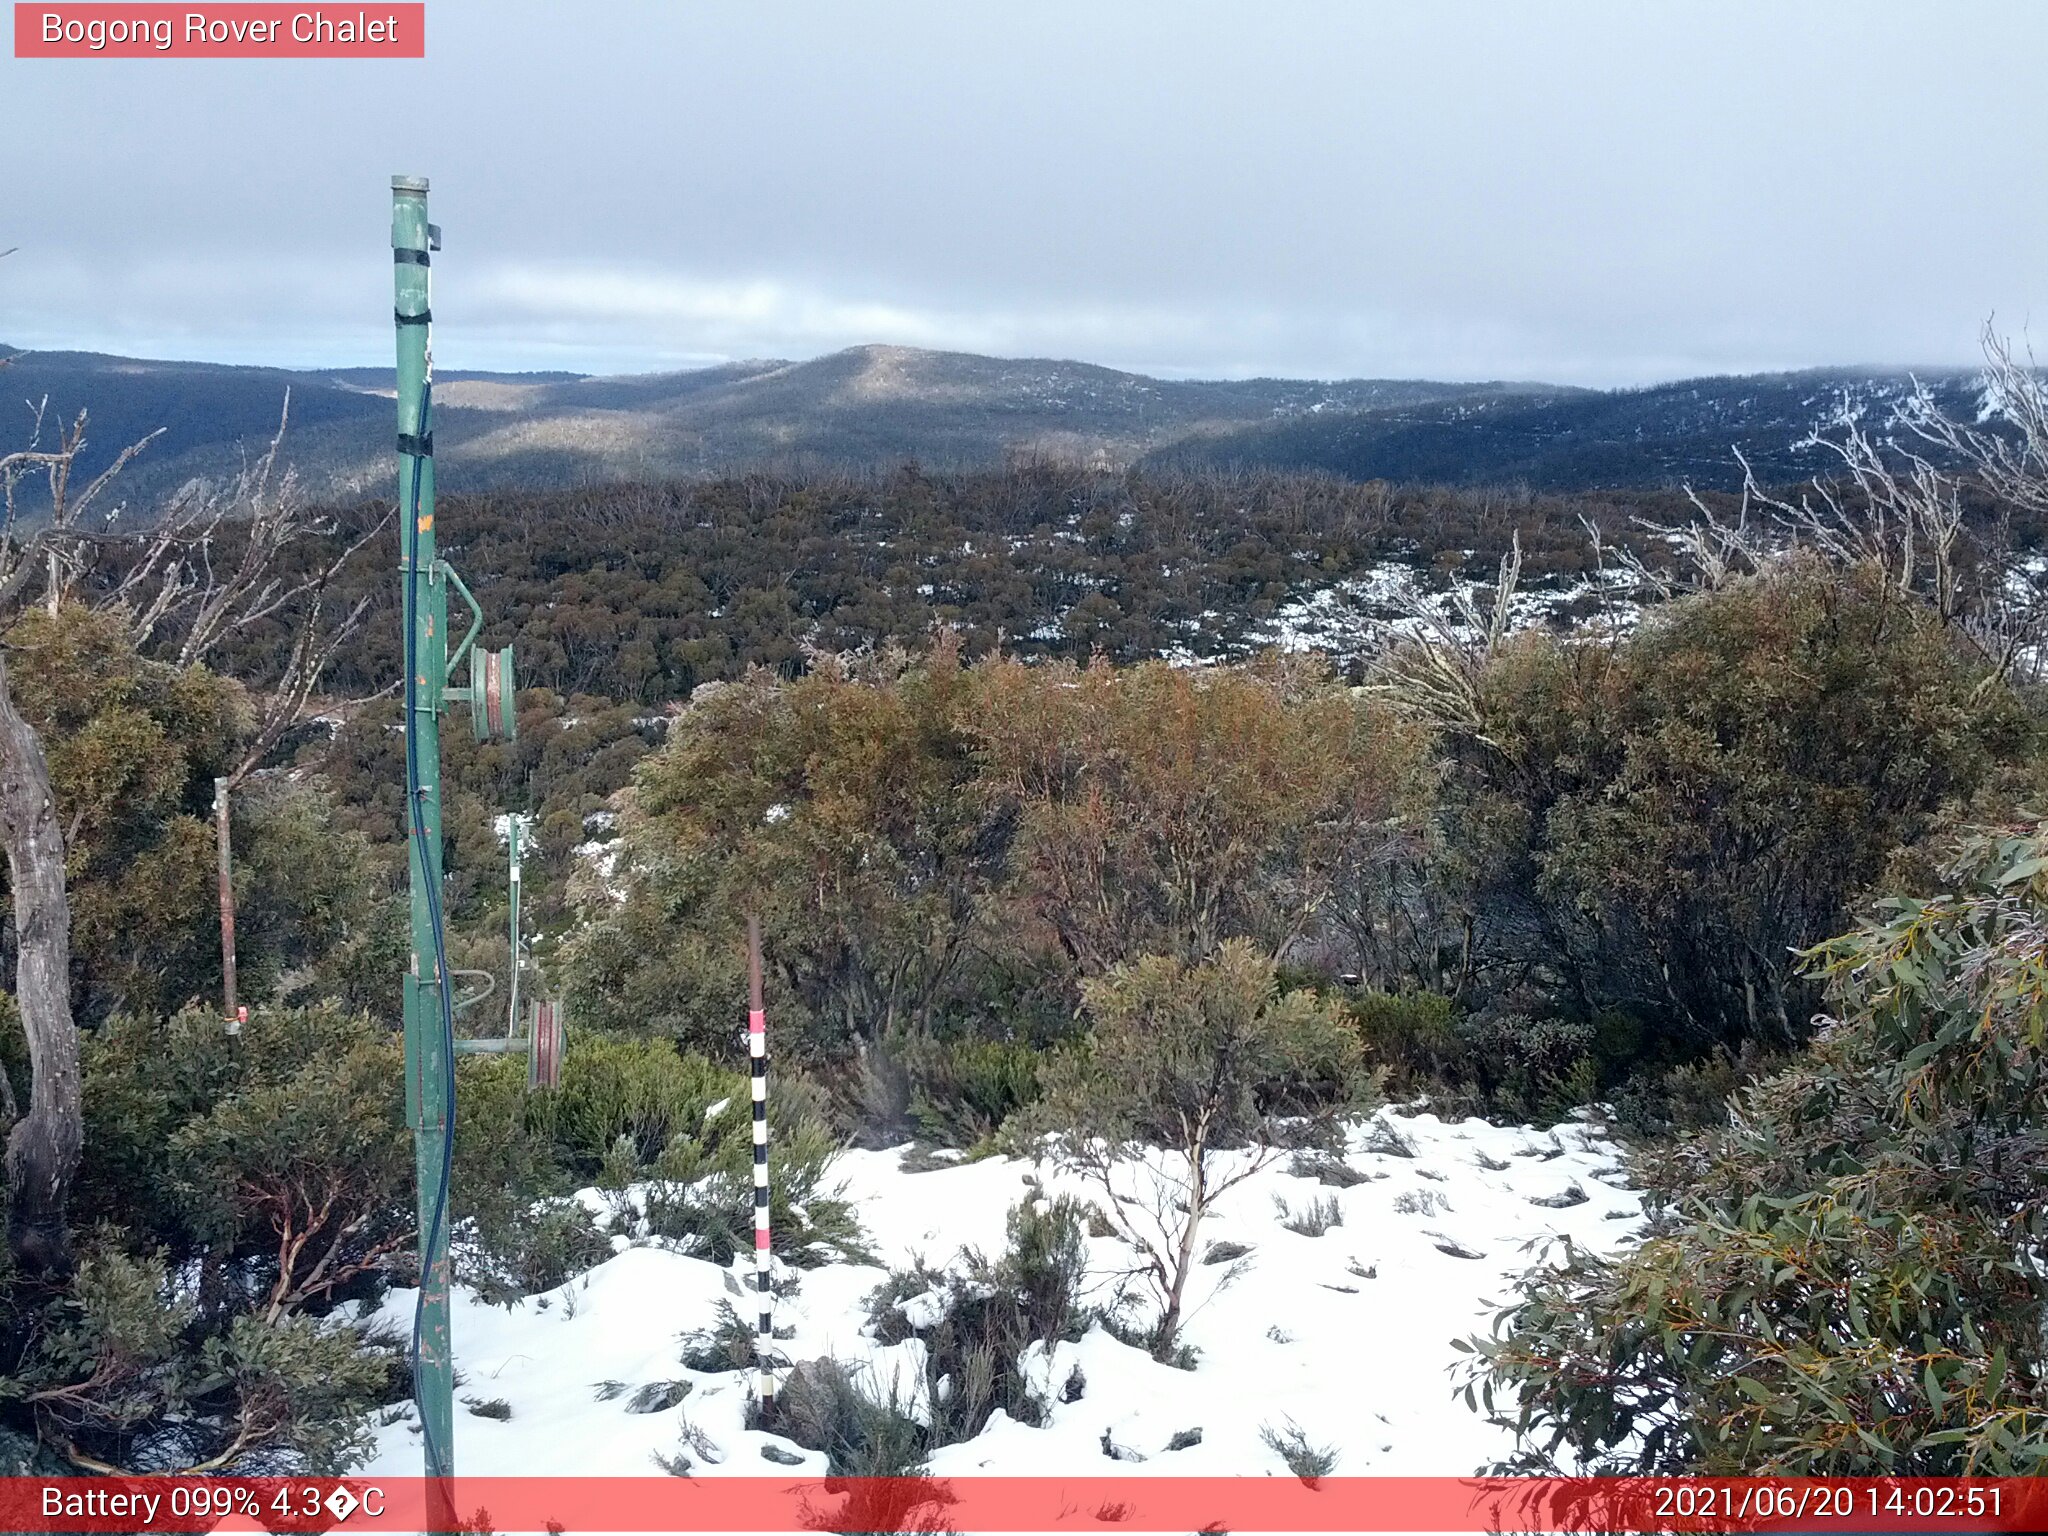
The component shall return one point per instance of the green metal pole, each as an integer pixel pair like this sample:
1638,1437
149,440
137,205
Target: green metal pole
427,1064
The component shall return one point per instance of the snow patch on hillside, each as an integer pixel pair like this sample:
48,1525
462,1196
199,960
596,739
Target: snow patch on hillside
1348,1334
1358,616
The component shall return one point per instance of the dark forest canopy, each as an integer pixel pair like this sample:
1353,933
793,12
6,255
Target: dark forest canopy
1684,433
642,592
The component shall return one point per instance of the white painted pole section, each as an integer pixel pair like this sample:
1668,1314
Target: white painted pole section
757,1052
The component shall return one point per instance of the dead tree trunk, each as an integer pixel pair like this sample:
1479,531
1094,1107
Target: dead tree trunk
43,1148
1184,1252
222,837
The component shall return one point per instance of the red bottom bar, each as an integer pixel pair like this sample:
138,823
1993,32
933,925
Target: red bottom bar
971,1504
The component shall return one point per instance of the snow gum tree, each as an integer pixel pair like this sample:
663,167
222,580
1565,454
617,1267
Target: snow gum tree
44,1139
836,807
1160,810
1846,1280
169,589
1191,1077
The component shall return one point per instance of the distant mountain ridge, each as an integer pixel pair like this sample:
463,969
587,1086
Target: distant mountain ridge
1660,435
876,406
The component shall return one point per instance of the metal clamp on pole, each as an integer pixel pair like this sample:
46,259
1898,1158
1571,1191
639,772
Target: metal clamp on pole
491,712
490,689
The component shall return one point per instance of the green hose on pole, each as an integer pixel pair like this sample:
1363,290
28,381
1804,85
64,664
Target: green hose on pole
512,970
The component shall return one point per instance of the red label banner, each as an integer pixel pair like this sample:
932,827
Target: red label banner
103,31
808,1502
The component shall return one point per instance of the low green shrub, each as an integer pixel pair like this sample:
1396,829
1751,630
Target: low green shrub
506,1152
727,1345
125,1366
1145,1335
198,1142
644,1092
962,1090
245,1186
543,1246
954,1090
1306,1460
668,1134
1529,1069
1501,1064
988,1314
699,1194
1313,1220
1843,1279
821,1409
1414,1034
1691,1096
1327,1169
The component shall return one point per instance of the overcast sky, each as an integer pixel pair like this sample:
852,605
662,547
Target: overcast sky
1599,193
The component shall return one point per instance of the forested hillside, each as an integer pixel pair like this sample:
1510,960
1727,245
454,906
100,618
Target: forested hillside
641,592
1663,435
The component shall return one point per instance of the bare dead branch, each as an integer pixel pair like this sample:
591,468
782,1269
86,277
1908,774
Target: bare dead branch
1434,675
1892,503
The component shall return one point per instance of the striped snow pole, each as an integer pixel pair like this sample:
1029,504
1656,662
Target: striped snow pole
757,1051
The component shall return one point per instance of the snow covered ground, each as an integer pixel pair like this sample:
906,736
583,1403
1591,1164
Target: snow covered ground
1347,1335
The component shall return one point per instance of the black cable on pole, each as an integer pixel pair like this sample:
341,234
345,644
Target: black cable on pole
430,1239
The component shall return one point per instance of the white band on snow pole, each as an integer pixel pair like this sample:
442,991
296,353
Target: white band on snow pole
757,1052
